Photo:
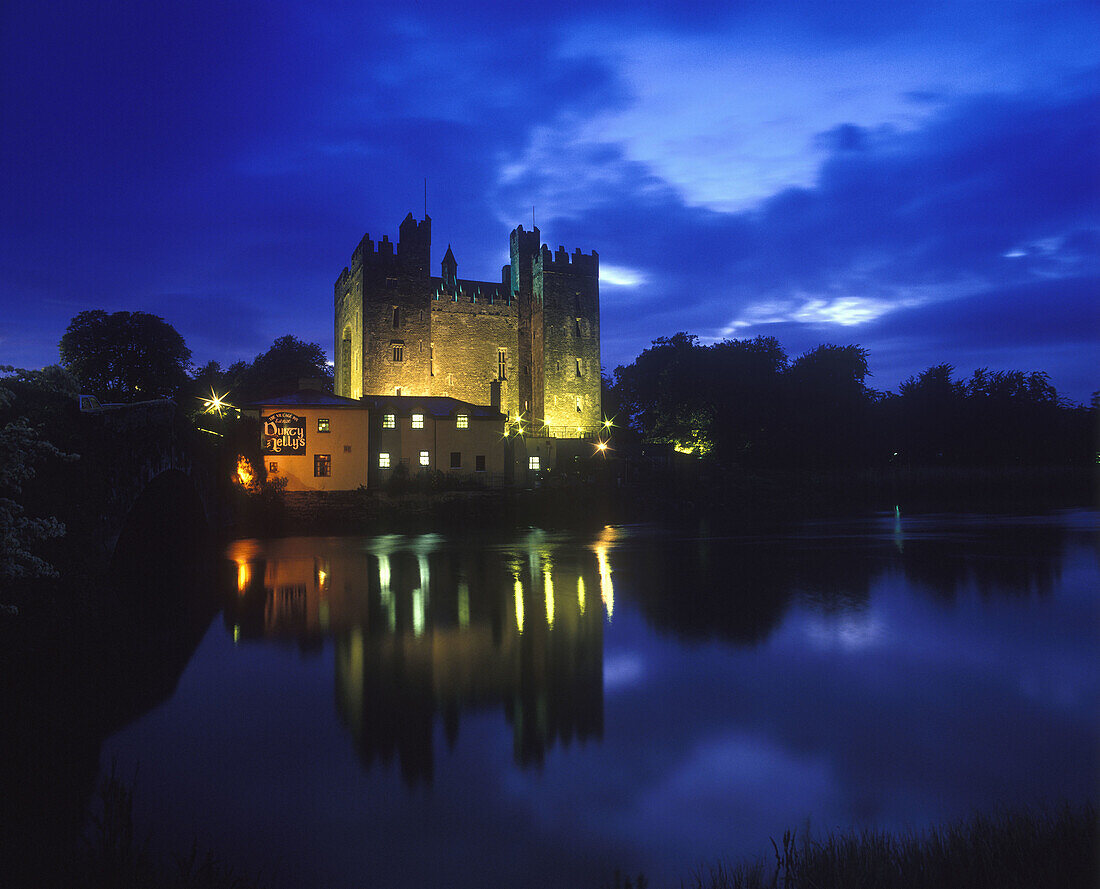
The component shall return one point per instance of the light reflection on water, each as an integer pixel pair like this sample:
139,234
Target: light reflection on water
508,725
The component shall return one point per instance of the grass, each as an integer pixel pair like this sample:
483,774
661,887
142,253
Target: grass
115,856
1033,850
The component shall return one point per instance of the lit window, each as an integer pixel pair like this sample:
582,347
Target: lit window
456,459
398,351
418,421
532,462
272,467
462,421
500,363
389,421
322,465
479,463
383,460
322,424
425,459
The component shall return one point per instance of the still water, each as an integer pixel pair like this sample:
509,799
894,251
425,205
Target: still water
539,709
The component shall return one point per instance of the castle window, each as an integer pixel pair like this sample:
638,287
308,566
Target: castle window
578,367
322,424
577,327
397,390
322,465
418,421
396,317
501,363
425,458
398,351
431,361
421,314
347,449
462,421
383,460
578,404
389,421
456,459
533,463
479,463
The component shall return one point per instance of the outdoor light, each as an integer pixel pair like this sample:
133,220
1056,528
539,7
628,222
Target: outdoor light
216,403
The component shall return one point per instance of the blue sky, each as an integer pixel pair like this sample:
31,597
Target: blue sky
922,179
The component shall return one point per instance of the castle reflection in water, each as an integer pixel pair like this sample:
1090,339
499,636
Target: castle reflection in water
424,628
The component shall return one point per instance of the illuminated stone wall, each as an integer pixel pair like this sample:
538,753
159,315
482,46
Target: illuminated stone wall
397,328
568,289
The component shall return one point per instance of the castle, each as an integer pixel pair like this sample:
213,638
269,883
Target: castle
528,344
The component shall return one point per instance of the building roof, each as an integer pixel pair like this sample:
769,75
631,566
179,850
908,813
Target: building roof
435,405
308,398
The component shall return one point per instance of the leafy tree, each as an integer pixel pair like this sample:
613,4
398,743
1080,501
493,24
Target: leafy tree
278,370
827,407
665,396
746,378
22,448
927,417
125,356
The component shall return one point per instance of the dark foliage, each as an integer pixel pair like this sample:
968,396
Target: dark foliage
277,371
744,403
125,356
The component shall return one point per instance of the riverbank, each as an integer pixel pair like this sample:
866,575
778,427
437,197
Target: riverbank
684,494
1022,849
1028,850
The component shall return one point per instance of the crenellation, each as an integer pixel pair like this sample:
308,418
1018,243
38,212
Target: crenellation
535,335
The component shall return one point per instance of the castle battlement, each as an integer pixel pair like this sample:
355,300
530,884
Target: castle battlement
471,292
371,253
562,262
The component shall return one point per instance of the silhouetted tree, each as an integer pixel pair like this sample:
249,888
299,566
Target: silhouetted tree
278,370
827,408
125,356
665,396
926,418
746,379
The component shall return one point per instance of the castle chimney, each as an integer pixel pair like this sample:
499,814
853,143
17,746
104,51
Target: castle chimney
494,395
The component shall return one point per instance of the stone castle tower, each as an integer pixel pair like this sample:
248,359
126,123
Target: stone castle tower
536,333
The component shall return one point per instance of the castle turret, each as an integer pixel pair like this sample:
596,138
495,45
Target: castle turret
450,271
524,247
415,245
567,289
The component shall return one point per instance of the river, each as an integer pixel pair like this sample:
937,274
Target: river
541,709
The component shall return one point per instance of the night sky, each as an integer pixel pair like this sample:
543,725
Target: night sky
920,178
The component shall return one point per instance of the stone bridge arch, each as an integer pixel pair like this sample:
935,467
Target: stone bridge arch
150,466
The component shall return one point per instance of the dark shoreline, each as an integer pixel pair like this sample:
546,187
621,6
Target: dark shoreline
726,500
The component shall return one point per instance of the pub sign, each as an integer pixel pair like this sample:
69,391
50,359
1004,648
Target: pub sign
283,433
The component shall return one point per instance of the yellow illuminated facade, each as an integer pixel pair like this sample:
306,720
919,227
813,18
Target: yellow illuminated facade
529,343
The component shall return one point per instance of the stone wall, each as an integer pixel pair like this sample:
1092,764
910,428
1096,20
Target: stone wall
449,332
